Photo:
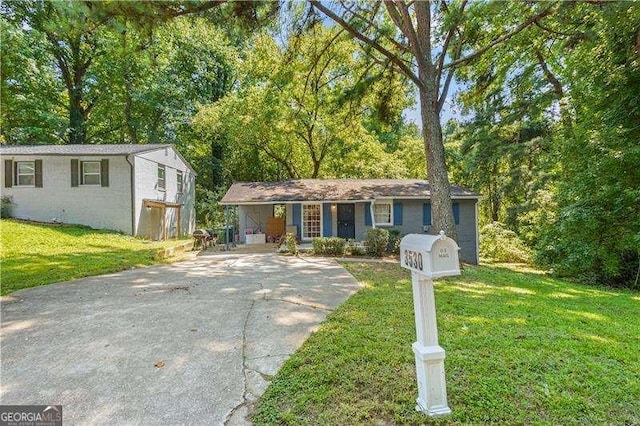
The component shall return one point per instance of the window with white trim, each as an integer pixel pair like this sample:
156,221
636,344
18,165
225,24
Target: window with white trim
90,173
311,221
383,213
162,182
179,178
25,173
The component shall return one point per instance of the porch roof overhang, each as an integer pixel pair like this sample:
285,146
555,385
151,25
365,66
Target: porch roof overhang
333,191
160,204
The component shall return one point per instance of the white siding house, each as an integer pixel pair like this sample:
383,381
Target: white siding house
141,190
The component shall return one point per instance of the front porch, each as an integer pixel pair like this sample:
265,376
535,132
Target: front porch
261,223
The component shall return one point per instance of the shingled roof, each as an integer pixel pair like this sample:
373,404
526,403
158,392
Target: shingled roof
88,149
332,190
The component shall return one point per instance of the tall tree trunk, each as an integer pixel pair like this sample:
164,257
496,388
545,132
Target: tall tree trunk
77,127
217,153
78,112
131,127
435,155
494,194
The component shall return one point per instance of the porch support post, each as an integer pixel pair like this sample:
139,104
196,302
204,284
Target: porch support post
373,216
179,221
163,211
226,227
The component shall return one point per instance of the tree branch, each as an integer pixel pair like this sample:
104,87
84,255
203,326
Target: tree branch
393,58
557,87
552,31
370,24
501,39
445,90
399,13
447,40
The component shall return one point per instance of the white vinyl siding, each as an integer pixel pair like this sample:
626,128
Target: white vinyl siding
311,221
25,173
91,173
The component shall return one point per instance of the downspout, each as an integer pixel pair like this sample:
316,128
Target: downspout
131,160
373,216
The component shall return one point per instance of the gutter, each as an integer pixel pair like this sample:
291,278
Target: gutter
363,200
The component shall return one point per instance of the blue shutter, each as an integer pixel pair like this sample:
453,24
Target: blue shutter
367,214
426,214
397,214
456,213
326,220
297,218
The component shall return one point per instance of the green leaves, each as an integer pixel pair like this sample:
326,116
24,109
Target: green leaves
310,107
554,139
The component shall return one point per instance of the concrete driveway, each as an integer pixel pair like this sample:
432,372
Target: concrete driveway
195,342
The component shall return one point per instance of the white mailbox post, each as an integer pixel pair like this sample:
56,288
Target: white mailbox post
429,257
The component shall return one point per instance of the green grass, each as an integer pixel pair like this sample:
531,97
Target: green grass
34,255
522,348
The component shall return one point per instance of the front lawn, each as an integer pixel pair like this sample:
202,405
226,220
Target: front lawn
522,348
34,254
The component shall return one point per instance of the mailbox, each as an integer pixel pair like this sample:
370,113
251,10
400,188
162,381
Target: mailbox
433,256
429,257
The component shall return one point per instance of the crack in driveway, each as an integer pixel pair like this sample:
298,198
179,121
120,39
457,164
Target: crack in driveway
245,391
106,340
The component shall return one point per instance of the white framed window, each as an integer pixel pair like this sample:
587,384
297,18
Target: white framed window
180,182
311,221
25,173
162,182
383,213
90,173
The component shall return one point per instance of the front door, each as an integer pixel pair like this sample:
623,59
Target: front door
346,220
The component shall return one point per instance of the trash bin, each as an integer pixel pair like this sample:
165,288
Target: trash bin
226,237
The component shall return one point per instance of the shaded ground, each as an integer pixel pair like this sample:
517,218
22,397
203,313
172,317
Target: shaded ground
193,342
521,347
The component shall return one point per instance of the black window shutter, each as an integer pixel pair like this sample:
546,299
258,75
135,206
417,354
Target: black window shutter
8,173
38,164
104,172
75,168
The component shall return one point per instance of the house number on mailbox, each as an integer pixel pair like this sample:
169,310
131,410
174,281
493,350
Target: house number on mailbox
443,253
413,259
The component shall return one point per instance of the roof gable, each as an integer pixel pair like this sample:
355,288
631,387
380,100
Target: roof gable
333,190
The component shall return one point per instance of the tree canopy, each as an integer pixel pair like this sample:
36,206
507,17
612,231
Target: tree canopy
549,91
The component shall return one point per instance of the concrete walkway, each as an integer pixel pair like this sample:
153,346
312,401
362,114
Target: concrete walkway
190,343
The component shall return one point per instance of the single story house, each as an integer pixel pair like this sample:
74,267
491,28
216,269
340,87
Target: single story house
140,190
346,208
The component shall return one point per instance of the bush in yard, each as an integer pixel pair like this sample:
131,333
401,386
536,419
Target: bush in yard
500,244
394,241
6,205
354,249
331,246
377,240
291,243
